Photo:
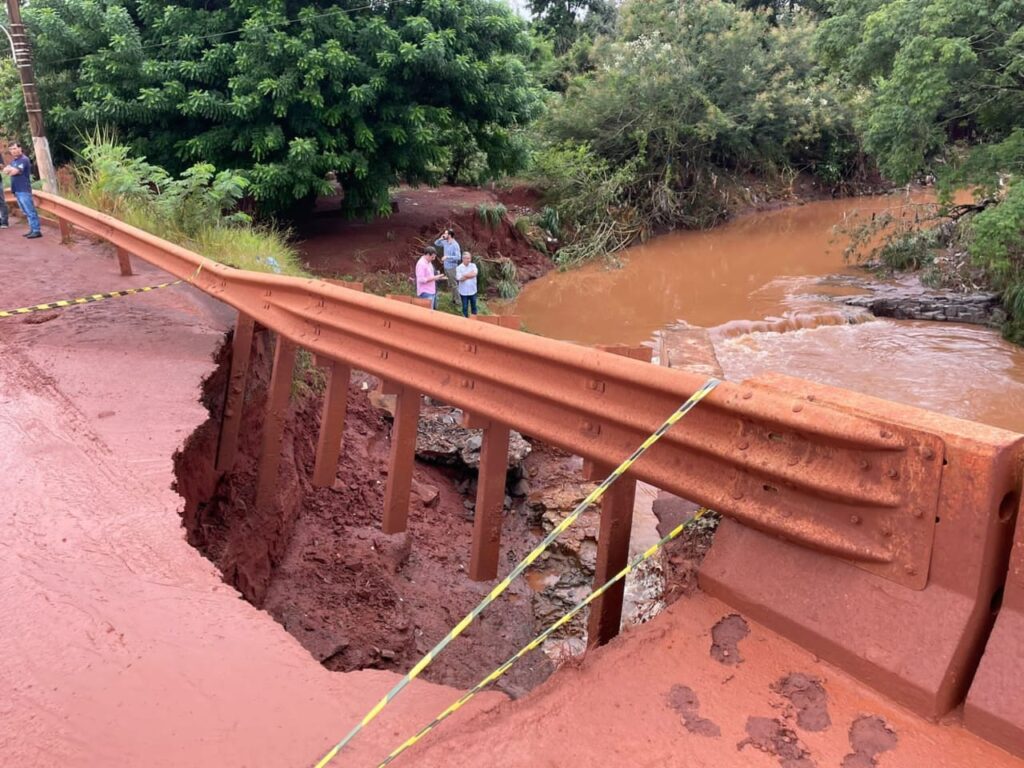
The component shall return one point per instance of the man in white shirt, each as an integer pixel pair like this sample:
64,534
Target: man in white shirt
465,276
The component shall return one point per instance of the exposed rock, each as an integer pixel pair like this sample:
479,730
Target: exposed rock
911,303
427,494
566,574
440,438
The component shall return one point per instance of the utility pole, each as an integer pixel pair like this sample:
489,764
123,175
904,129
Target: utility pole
23,61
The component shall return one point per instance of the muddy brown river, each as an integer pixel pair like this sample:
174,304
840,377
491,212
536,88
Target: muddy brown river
758,284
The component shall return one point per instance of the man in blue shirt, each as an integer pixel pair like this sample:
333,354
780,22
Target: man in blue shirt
4,212
452,259
20,171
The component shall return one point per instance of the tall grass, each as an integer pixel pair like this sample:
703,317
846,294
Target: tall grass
197,210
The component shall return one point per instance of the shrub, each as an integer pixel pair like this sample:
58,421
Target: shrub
197,210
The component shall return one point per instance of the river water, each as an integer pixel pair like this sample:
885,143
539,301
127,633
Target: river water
765,287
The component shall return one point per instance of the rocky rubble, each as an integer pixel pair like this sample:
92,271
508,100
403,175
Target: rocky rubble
441,439
905,303
564,574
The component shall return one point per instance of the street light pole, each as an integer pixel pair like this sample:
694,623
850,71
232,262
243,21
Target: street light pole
18,37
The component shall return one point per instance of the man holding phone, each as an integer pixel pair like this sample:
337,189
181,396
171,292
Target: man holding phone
452,259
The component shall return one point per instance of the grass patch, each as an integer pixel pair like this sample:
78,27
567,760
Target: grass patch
198,210
491,215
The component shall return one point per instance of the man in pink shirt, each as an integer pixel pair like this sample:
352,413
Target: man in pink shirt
426,280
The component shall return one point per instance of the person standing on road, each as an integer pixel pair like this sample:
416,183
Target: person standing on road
465,275
426,280
20,171
452,257
5,213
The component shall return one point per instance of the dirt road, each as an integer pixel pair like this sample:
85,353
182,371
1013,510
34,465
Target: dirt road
121,645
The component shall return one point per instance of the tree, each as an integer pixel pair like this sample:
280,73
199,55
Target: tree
686,98
944,85
565,21
940,72
289,91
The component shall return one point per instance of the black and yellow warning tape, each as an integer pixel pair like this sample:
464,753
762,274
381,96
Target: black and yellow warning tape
90,299
93,298
502,585
539,639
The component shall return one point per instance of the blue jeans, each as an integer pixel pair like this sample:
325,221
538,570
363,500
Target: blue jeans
29,209
467,302
431,296
3,205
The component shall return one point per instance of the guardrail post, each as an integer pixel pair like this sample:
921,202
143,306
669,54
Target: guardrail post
332,421
612,553
273,424
65,230
613,535
414,300
124,261
234,400
993,709
490,497
403,454
502,321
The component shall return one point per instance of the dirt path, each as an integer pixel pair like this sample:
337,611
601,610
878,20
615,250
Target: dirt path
122,646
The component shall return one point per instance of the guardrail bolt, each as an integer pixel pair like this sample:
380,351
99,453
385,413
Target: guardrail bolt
864,464
892,473
743,446
928,454
885,434
747,395
855,519
918,513
797,408
909,570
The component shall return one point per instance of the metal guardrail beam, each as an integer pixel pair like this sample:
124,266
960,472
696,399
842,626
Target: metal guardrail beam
851,486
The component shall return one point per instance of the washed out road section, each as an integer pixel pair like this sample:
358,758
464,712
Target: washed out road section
122,646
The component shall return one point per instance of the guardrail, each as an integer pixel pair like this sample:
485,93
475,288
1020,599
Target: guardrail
866,485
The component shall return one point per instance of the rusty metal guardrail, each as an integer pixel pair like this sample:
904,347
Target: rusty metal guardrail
854,487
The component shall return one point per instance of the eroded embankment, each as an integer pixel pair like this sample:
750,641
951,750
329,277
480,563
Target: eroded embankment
317,560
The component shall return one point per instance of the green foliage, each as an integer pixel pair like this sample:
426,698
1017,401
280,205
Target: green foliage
910,250
195,210
550,221
996,241
289,92
491,215
564,22
506,279
943,85
685,97
308,379
937,72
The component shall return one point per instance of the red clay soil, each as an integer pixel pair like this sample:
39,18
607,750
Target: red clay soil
121,643
122,646
337,247
319,564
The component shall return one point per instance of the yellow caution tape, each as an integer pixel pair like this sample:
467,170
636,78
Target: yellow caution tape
536,642
502,585
64,303
92,298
